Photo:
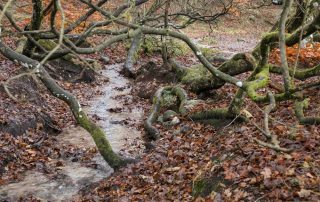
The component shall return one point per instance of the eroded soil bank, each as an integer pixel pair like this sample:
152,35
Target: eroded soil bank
114,111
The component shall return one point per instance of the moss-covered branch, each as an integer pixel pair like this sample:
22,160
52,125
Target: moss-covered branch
183,98
298,74
151,131
305,120
34,25
200,79
132,55
219,113
260,80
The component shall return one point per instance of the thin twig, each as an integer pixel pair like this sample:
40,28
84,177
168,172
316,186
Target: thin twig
272,146
267,111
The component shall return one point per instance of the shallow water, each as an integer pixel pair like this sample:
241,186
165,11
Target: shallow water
116,98
73,176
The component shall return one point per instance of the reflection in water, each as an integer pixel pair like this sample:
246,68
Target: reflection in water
72,176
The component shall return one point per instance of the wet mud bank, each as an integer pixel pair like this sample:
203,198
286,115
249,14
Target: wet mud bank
115,112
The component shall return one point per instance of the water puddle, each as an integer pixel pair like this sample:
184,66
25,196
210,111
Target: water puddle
116,116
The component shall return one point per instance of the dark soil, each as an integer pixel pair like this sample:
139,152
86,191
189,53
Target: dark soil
150,77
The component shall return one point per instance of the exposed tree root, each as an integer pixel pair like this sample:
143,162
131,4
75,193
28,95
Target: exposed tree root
258,79
298,74
273,138
220,113
183,109
298,108
261,80
151,131
201,80
183,98
132,56
272,146
267,111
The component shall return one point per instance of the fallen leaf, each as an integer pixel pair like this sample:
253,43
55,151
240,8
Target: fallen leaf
246,113
266,173
228,193
173,169
304,193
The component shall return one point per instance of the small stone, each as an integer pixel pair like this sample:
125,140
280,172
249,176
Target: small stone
252,18
175,121
105,59
239,84
185,129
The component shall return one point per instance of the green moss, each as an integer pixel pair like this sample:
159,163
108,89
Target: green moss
298,74
100,140
304,74
50,45
178,48
200,79
21,43
237,102
152,45
47,44
196,75
261,80
219,113
168,100
198,187
188,105
207,52
299,106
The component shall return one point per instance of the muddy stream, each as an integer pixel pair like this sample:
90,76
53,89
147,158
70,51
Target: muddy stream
116,116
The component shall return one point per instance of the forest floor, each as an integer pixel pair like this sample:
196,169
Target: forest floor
239,168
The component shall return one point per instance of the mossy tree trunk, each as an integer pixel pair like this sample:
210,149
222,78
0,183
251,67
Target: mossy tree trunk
35,24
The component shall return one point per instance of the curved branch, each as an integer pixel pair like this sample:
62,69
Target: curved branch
261,80
282,45
151,131
305,120
132,55
298,74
